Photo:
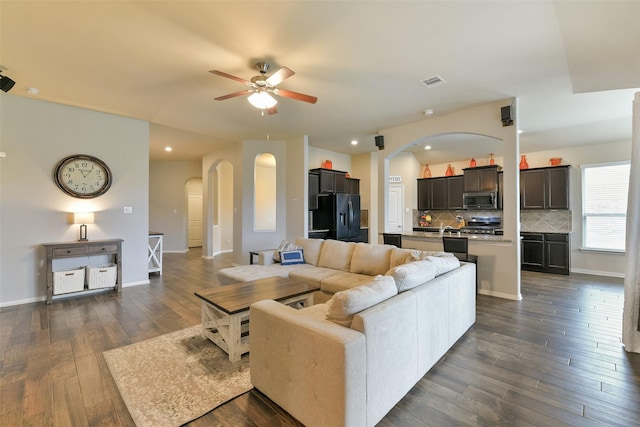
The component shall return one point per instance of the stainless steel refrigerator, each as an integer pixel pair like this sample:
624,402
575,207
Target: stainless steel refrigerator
340,214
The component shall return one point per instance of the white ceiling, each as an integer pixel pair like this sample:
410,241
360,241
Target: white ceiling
573,66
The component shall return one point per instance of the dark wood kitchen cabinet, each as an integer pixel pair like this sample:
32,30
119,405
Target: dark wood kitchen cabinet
545,252
438,194
444,193
455,189
424,194
500,190
545,188
481,178
331,181
314,187
352,186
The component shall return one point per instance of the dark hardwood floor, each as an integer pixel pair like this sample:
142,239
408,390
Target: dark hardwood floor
553,359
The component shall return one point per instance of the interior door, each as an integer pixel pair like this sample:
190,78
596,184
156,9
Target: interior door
194,230
396,209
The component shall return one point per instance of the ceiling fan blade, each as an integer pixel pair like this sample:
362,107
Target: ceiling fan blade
272,110
233,95
279,76
295,95
229,76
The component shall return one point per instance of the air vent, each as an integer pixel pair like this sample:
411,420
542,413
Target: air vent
433,81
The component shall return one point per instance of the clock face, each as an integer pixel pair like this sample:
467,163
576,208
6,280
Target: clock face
82,176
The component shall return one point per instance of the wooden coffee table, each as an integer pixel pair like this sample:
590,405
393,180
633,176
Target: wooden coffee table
225,310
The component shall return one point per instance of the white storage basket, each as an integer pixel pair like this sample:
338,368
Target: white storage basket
102,276
67,281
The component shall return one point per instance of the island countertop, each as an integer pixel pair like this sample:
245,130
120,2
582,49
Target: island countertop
479,238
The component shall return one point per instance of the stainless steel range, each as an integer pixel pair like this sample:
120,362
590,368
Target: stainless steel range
482,225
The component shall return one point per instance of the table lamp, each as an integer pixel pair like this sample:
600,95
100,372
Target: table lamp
83,218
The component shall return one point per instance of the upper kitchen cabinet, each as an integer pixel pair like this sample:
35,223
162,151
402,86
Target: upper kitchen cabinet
331,181
545,188
442,194
314,187
455,189
352,186
481,178
424,194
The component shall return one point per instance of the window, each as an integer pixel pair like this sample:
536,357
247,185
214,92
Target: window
605,189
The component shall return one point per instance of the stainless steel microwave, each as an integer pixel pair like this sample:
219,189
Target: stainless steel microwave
480,200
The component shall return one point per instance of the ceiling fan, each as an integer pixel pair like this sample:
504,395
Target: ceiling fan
261,87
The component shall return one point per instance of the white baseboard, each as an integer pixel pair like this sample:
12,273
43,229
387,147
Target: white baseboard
22,301
500,295
598,273
217,253
176,252
141,282
70,295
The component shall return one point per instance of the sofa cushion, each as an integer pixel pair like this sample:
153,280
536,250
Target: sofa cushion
311,249
370,259
343,281
336,254
444,264
344,304
412,274
284,247
313,275
400,256
245,273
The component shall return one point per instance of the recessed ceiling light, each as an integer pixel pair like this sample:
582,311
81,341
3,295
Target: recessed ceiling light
428,112
519,130
168,149
427,147
354,142
33,90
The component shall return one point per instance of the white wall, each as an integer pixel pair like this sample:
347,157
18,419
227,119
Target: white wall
167,200
35,135
341,162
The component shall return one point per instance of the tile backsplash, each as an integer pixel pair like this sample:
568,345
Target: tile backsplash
545,221
542,221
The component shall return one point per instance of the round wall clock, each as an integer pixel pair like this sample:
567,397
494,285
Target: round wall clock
82,176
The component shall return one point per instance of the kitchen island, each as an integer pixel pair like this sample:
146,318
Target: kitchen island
489,248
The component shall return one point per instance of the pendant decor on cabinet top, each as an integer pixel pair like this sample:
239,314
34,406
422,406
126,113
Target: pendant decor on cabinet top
449,171
426,173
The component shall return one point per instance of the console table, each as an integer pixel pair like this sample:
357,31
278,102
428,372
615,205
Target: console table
79,249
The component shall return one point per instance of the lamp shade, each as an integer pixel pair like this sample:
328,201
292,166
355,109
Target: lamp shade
83,217
262,100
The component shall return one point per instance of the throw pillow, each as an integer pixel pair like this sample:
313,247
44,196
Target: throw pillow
291,257
284,246
412,274
344,305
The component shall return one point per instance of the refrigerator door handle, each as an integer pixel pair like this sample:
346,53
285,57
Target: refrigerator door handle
350,213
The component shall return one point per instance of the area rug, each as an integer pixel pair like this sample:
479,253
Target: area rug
175,378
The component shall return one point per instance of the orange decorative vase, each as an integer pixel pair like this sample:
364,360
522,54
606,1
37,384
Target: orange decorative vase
523,162
449,171
328,164
426,173
472,163
491,161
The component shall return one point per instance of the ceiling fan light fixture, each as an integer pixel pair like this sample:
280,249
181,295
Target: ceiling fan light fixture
262,100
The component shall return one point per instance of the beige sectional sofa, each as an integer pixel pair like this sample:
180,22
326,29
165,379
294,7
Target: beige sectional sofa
335,266
391,315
